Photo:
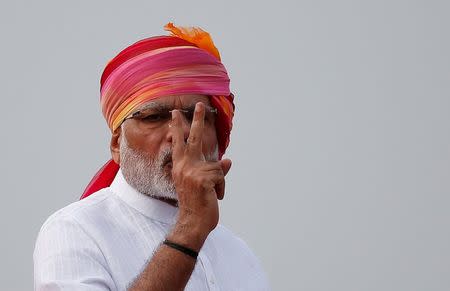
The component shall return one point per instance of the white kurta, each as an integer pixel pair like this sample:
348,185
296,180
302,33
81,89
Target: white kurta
104,241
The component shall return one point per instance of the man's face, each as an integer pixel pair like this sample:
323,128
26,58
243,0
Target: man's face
145,143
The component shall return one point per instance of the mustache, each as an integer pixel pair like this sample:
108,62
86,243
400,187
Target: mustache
166,157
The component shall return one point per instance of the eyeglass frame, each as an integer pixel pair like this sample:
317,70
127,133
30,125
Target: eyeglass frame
135,114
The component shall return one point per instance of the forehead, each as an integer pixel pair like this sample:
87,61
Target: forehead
177,101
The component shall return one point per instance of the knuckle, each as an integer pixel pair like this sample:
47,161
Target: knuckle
192,139
203,182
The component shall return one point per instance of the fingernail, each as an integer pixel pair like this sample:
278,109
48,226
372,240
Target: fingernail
197,106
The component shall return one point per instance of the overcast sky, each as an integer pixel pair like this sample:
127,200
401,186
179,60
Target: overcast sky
341,143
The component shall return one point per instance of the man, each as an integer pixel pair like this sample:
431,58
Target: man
152,223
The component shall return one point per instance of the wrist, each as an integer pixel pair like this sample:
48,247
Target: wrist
187,251
189,234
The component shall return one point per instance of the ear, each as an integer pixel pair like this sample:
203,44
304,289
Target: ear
115,145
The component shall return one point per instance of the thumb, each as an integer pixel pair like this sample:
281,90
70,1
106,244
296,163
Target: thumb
226,165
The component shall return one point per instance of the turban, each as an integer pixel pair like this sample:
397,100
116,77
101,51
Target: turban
186,62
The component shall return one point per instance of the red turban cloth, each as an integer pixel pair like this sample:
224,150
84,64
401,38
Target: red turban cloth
187,62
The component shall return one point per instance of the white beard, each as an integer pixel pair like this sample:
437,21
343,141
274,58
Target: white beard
146,174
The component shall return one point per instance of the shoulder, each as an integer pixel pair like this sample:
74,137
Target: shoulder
247,269
77,208
223,233
65,251
68,222
232,244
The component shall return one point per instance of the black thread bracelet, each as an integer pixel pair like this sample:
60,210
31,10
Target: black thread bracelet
181,248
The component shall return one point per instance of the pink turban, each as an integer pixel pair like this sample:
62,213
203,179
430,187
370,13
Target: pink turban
187,62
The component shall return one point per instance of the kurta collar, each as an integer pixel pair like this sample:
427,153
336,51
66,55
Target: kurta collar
148,206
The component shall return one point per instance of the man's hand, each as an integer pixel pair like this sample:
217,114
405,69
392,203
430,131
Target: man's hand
199,183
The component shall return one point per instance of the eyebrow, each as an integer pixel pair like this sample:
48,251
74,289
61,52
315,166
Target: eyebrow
152,105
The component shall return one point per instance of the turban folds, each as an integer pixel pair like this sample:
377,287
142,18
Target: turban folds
187,62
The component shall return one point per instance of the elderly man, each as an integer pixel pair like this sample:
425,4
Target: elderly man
152,223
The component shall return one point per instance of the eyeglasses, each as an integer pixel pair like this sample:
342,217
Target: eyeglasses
149,118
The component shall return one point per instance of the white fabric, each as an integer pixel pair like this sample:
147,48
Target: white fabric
104,241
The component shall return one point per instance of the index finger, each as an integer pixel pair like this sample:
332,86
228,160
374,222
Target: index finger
177,136
194,144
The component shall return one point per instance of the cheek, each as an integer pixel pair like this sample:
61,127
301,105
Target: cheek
149,143
154,142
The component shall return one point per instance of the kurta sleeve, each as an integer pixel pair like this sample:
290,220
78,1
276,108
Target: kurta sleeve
66,257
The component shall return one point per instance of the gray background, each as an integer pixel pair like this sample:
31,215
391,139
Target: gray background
341,145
